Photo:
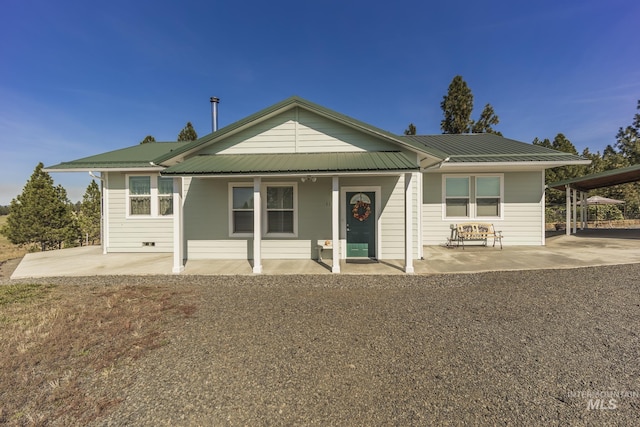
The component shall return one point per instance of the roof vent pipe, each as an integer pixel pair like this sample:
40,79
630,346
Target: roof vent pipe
214,113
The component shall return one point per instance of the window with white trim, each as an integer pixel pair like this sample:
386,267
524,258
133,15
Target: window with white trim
139,195
457,197
488,196
472,196
149,196
165,196
241,209
278,210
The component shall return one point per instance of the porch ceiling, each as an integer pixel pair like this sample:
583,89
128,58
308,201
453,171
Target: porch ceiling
232,164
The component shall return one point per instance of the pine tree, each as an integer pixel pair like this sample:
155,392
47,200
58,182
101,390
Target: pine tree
147,139
628,140
487,119
411,130
597,163
560,143
41,214
89,217
188,133
68,233
457,106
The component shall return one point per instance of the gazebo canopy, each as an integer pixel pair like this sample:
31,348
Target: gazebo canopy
599,200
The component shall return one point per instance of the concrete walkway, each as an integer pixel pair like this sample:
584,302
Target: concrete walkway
587,248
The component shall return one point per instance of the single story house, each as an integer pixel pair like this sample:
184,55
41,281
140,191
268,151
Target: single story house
295,176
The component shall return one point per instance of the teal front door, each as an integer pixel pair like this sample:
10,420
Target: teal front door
361,224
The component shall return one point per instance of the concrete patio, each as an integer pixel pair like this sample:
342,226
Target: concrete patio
586,248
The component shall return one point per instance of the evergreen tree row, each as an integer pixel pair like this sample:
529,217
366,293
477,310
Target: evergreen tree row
624,152
188,133
43,216
457,108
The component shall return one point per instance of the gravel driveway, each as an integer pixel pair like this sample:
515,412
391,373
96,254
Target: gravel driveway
512,348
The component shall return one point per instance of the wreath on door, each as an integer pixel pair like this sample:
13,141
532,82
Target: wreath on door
361,210
361,207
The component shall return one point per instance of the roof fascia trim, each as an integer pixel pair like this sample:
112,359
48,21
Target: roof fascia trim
293,174
102,169
536,163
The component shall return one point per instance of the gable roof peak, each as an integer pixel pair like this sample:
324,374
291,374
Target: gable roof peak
285,105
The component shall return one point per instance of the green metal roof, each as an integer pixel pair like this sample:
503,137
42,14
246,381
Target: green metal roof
138,156
296,101
601,179
456,149
485,147
232,164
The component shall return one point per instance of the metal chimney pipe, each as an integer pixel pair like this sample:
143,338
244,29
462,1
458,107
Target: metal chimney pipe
214,113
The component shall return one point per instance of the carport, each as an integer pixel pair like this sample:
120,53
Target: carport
577,188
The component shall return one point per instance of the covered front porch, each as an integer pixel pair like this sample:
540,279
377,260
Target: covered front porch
360,207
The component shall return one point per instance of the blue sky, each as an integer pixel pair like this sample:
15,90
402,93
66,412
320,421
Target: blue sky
79,78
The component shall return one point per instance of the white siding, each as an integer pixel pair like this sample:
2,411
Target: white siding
128,234
287,249
391,213
522,222
242,249
217,249
207,223
523,193
298,131
393,221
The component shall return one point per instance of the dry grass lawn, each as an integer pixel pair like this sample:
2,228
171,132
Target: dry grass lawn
60,342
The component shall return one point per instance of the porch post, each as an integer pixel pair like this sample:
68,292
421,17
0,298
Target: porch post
419,189
178,229
586,210
335,224
568,213
257,226
575,212
582,202
408,223
543,209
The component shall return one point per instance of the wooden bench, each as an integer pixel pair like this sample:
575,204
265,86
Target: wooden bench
322,245
477,231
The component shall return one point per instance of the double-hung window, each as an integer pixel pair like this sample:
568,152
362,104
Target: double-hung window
473,197
280,211
457,197
277,210
165,196
139,195
149,196
488,196
242,210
